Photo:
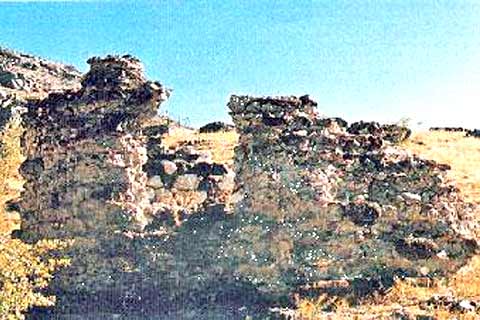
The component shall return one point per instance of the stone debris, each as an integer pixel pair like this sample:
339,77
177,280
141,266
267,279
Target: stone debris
10,107
388,132
24,77
448,129
468,132
84,172
473,133
32,77
452,304
339,204
216,126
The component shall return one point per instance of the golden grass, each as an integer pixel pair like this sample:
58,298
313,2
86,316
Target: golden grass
24,269
453,148
10,180
220,144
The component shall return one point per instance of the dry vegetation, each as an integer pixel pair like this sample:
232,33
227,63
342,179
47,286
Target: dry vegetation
220,144
24,269
10,180
453,148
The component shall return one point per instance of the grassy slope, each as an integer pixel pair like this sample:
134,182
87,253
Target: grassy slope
460,152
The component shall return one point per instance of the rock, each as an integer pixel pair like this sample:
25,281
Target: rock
363,127
448,129
392,133
451,304
467,305
395,133
361,214
151,194
25,75
155,182
328,122
163,196
156,130
227,184
186,159
412,197
169,167
187,182
205,169
10,80
473,133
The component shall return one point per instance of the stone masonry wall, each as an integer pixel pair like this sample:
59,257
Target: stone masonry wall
84,176
184,181
344,204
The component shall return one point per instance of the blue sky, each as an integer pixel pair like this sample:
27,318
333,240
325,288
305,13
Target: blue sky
373,60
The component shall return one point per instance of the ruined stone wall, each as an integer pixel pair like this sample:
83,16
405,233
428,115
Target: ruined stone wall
24,77
184,181
84,170
343,203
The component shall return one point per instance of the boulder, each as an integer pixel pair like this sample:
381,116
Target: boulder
169,167
187,182
155,182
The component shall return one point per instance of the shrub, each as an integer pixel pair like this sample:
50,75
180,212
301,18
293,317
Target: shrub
24,269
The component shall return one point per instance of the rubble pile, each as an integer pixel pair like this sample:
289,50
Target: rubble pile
452,304
388,132
24,77
215,126
319,202
29,76
184,180
473,133
9,107
449,129
84,172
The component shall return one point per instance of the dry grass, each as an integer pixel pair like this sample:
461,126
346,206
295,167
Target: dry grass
220,144
453,148
10,180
